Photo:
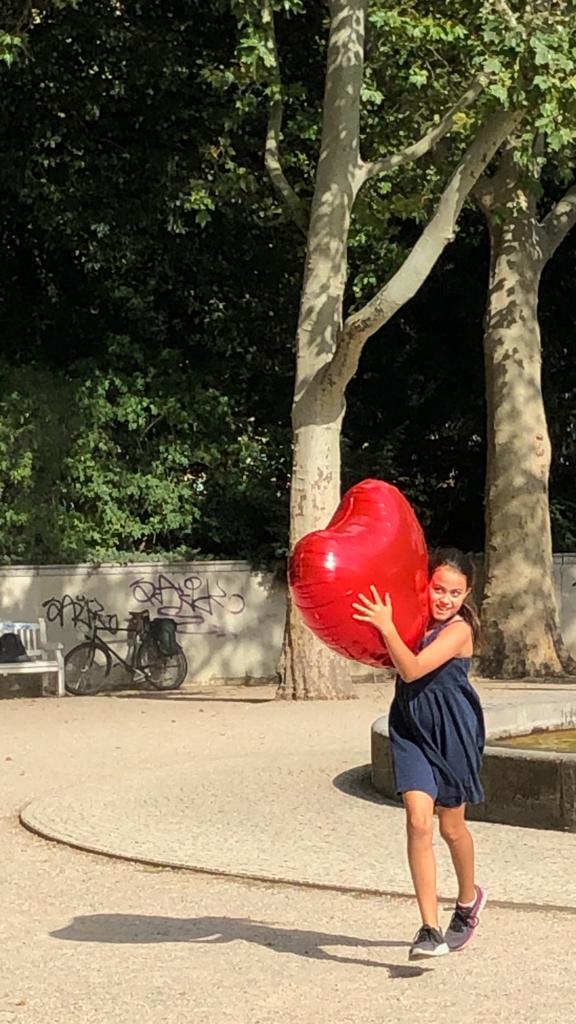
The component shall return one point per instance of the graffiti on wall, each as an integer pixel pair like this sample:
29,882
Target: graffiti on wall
80,611
194,601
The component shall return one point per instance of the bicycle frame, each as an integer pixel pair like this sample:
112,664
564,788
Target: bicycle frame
138,626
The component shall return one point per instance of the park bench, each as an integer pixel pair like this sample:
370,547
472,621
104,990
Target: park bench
42,657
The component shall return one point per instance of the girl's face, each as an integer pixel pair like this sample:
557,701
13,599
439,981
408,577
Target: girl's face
447,592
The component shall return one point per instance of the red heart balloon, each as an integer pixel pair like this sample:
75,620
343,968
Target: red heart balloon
375,538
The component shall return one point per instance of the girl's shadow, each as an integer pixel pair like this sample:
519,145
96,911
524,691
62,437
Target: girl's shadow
139,928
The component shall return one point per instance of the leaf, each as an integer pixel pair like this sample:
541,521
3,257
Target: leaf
542,54
493,65
499,91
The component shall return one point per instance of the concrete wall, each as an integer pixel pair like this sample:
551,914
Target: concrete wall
230,619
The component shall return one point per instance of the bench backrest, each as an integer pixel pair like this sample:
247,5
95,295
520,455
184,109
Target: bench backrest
32,634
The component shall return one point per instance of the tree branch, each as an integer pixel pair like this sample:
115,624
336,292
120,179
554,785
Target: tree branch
17,21
558,222
433,240
483,194
507,13
490,189
272,160
428,141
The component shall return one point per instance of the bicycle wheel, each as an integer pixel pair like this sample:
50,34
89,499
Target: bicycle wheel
86,668
165,672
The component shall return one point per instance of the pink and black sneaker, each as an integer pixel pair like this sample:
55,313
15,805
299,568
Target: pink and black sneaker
464,922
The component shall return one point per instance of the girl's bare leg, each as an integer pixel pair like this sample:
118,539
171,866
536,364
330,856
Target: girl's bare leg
454,831
419,826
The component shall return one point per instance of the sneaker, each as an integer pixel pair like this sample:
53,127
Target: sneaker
464,922
428,942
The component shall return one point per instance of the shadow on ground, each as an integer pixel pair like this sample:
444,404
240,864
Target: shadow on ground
357,782
179,698
139,928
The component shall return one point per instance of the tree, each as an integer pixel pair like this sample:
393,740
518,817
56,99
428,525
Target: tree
17,20
14,25
521,632
328,345
124,302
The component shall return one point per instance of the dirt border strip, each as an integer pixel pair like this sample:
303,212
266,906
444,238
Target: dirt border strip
275,880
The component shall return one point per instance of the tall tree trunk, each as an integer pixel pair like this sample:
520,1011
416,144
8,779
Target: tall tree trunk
520,627
327,349
309,668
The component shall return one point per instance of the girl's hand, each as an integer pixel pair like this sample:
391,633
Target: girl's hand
377,612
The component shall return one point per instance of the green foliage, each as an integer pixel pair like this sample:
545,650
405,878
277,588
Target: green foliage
17,19
149,328
149,277
133,458
11,47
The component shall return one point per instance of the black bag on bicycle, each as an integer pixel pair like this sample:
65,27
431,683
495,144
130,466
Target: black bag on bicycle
163,632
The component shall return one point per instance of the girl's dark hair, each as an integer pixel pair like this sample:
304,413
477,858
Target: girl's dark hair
455,559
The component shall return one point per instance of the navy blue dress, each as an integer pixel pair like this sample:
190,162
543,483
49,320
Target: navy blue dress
437,733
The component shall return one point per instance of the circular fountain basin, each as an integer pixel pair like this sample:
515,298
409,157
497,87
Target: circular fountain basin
556,740
529,767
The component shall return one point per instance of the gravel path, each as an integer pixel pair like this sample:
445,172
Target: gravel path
232,781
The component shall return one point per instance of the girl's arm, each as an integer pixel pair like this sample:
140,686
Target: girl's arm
451,642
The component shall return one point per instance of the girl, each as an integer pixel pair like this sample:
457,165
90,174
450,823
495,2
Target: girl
436,730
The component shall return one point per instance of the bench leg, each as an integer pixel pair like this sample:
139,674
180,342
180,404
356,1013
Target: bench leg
61,690
47,684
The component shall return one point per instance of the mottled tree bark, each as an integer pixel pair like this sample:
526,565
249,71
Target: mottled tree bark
309,668
520,627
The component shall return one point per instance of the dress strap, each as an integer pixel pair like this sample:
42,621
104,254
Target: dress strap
438,629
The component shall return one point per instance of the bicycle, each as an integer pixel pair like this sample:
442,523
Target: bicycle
88,664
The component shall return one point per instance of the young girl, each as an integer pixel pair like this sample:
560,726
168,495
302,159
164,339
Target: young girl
436,730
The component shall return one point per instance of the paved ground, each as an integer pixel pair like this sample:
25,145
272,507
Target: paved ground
235,782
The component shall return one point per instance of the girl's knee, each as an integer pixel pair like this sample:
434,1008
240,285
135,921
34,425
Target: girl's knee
419,825
452,831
